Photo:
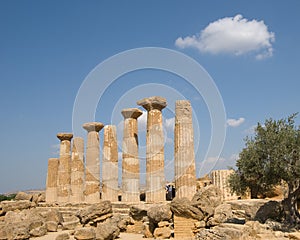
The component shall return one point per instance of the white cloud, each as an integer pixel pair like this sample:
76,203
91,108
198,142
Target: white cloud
235,122
232,35
169,124
142,122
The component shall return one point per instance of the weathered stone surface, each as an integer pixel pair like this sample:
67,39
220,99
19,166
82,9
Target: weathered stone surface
16,205
146,231
63,236
130,158
23,196
37,229
182,207
110,164
159,212
184,227
87,233
54,215
270,210
207,199
222,214
3,231
164,232
52,180
137,212
18,230
94,211
41,198
233,231
184,156
155,178
71,225
107,230
210,234
92,171
51,226
250,207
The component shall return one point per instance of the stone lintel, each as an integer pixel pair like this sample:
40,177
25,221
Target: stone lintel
154,102
131,113
65,136
93,126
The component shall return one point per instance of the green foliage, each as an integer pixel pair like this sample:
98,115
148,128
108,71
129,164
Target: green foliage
5,198
271,155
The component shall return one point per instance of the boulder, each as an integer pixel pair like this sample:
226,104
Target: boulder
107,230
3,233
233,231
270,210
86,233
159,212
15,205
210,234
207,199
182,207
18,230
23,196
137,212
41,197
52,226
163,232
222,213
54,215
37,229
94,211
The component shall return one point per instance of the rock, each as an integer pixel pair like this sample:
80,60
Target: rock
210,234
270,210
137,212
122,224
15,205
249,207
3,233
70,225
38,230
23,196
207,199
294,235
94,211
107,231
163,233
51,226
273,225
182,207
233,231
41,197
63,236
159,212
200,224
86,233
222,213
18,230
146,231
53,215
163,224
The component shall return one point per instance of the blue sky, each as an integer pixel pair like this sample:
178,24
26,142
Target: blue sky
47,48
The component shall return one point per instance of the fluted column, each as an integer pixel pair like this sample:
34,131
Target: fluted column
77,170
185,172
92,171
51,183
110,164
155,179
130,158
64,167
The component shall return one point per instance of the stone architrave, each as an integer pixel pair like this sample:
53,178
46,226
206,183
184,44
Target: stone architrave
92,171
155,179
64,167
110,164
130,158
185,172
51,183
77,170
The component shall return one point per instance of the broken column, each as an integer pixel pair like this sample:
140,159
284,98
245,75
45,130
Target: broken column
110,164
185,172
130,158
77,170
155,179
64,167
92,171
51,182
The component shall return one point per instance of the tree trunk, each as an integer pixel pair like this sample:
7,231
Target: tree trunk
292,215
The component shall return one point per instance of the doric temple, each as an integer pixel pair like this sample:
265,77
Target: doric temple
75,176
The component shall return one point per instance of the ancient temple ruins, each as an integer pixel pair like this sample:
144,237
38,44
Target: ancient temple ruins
75,176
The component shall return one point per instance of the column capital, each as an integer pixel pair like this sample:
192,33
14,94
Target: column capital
93,126
131,113
154,102
65,136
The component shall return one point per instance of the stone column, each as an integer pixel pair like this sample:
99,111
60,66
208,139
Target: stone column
155,179
51,183
130,157
185,172
64,167
77,170
110,164
92,171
